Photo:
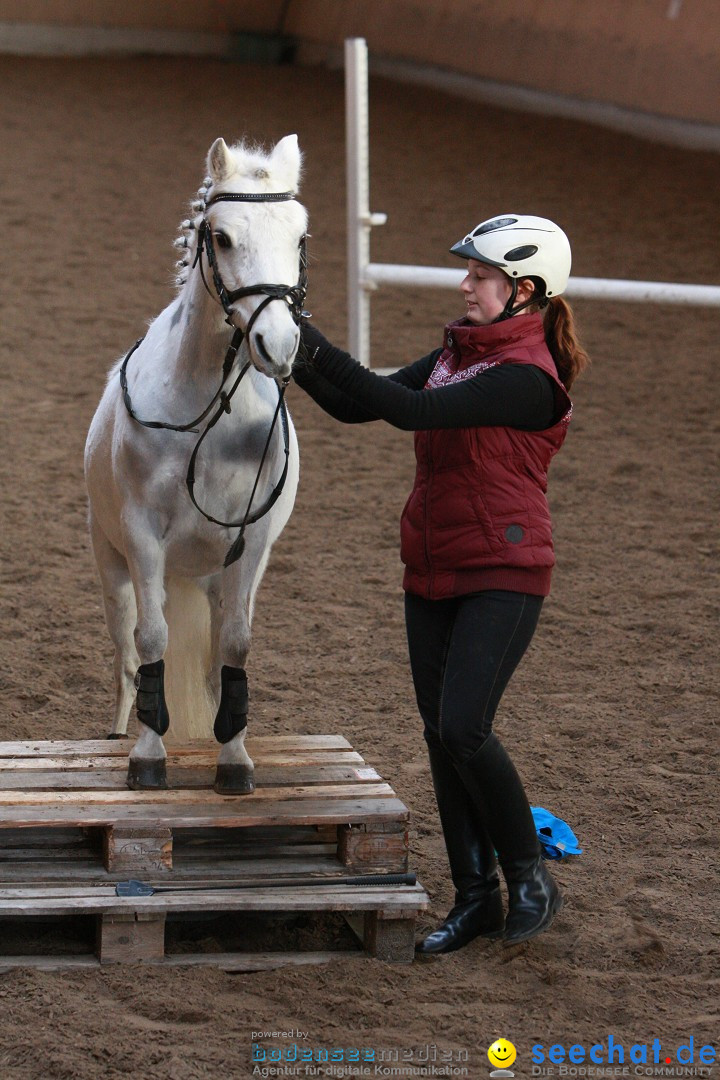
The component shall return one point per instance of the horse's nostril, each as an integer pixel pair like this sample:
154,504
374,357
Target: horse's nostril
279,359
260,346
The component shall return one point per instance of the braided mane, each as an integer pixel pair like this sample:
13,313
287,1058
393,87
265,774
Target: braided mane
185,242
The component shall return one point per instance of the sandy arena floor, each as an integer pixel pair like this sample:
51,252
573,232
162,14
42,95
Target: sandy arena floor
612,718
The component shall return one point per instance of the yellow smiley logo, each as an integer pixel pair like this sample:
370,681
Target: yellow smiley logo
501,1054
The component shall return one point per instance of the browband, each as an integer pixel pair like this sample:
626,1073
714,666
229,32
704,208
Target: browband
252,196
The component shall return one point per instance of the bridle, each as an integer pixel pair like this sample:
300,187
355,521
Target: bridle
294,295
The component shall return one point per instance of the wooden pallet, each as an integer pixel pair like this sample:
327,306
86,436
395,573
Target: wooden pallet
70,830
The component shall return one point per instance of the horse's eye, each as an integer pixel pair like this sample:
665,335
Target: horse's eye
223,240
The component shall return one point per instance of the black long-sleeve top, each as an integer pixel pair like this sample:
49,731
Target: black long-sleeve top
509,395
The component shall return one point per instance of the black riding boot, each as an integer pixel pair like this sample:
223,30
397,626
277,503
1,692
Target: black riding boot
478,910
533,896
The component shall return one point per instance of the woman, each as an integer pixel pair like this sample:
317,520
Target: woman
490,409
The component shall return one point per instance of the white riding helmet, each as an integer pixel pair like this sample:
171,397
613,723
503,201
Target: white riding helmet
522,246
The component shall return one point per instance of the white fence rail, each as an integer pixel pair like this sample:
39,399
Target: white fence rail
365,276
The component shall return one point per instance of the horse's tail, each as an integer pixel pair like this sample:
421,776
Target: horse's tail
187,662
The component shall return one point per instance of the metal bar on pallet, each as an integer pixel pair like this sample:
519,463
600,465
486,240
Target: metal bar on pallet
142,888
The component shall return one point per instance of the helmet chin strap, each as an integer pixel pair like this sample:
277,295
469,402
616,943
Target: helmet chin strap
509,310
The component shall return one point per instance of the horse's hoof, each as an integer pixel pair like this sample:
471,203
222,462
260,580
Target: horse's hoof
117,735
146,773
234,780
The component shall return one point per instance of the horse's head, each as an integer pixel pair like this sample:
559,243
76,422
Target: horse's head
255,244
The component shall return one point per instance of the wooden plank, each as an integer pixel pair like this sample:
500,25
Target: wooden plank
208,759
60,846
218,850
46,843
46,892
276,833
179,776
265,868
254,961
70,836
24,873
51,854
123,796
234,962
120,747
239,811
47,963
258,873
321,862
395,901
262,866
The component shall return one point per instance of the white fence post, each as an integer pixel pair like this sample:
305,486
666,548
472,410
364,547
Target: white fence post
359,218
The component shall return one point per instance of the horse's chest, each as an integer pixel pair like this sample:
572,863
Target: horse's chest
151,470
225,461
193,545
226,468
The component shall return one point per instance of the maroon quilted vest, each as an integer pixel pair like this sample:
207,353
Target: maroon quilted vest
477,517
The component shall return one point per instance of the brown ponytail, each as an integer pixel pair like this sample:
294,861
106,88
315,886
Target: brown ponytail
560,337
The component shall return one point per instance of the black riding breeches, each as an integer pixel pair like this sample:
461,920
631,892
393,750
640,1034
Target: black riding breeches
463,652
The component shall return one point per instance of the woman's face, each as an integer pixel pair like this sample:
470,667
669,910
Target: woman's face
486,290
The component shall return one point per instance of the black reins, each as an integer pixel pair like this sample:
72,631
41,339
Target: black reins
294,295
233,347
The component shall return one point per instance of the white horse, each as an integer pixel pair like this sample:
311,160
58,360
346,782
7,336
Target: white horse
193,381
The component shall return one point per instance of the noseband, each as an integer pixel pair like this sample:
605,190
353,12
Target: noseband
294,295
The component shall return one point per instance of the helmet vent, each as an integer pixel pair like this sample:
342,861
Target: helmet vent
495,223
523,252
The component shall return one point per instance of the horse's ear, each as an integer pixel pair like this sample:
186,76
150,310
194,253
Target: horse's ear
220,161
287,157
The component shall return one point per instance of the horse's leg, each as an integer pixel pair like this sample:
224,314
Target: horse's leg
214,592
146,767
235,768
120,616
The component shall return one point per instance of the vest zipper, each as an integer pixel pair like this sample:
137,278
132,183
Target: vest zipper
427,513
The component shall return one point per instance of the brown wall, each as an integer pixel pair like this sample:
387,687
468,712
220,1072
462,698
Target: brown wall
218,15
659,56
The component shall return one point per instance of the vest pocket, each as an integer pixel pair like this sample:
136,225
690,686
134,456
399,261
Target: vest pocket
495,543
412,533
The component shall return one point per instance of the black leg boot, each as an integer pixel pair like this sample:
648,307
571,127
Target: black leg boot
533,896
478,910
146,773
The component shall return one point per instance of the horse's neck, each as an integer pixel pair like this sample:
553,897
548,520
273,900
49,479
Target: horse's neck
203,341
204,335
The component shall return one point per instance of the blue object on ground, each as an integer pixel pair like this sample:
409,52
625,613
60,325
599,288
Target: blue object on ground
555,835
